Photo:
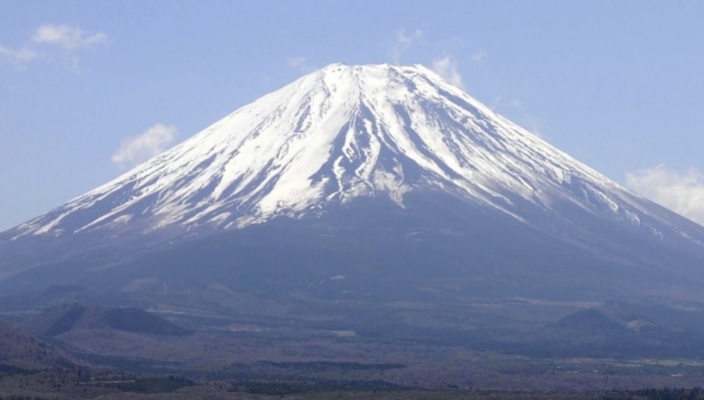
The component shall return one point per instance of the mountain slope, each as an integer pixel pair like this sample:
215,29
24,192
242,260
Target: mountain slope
21,350
350,153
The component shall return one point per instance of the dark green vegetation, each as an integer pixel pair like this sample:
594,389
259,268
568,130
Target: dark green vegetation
152,384
84,383
75,384
350,391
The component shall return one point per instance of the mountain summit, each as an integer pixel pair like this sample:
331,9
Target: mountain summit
383,159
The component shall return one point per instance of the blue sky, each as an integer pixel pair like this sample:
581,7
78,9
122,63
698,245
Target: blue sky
88,88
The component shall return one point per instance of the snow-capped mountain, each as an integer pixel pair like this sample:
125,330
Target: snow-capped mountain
376,165
342,133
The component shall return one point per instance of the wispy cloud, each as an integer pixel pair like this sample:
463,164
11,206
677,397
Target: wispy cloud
140,148
299,63
479,56
68,37
20,57
680,192
446,67
527,119
517,111
403,41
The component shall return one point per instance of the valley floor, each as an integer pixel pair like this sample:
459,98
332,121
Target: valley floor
572,352
247,356
66,384
343,368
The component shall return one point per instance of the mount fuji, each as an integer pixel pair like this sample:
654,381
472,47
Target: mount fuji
373,181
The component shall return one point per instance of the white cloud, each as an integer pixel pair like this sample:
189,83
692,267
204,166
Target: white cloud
680,192
403,41
68,37
295,62
446,67
19,56
145,146
527,120
406,39
299,63
479,57
515,110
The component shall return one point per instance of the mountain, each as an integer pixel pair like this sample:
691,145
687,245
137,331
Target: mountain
618,330
372,181
339,134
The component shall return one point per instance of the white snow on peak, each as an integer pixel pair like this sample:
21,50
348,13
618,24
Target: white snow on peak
332,136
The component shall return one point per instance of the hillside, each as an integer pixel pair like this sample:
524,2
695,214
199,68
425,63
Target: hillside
20,350
64,318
